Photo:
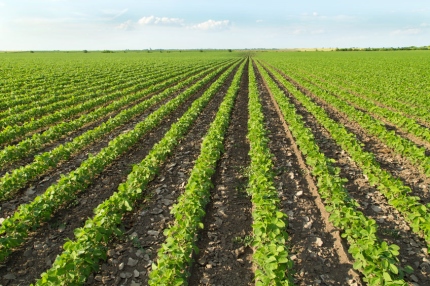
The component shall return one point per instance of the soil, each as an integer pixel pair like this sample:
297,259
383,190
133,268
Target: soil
392,227
319,253
225,257
393,163
38,186
71,135
144,226
36,255
316,246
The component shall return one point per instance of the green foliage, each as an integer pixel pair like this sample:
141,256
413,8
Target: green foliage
376,260
269,224
342,101
397,194
11,182
15,229
83,254
175,254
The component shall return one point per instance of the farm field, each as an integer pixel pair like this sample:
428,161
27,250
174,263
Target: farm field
215,168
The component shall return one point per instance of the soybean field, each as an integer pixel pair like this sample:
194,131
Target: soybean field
215,168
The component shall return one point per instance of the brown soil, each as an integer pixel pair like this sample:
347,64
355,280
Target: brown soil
316,247
390,126
420,121
319,254
130,257
35,187
391,225
37,254
225,257
388,160
70,136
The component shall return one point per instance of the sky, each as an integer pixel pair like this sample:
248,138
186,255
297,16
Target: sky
203,24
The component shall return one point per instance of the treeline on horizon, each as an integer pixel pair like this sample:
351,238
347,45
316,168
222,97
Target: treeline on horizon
411,48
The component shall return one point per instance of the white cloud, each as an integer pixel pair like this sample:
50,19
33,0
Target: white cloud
126,26
212,25
315,14
152,20
259,21
209,25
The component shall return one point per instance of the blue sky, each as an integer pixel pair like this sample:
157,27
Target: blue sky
178,24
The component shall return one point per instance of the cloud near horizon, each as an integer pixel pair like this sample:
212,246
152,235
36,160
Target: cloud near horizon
67,24
152,20
126,26
213,25
209,25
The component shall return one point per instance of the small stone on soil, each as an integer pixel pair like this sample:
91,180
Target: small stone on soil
132,262
156,211
318,241
167,202
134,235
9,277
376,209
414,278
202,260
125,275
139,253
218,222
48,262
153,232
111,253
308,225
28,253
30,191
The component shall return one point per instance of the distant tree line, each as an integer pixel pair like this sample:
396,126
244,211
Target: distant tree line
384,49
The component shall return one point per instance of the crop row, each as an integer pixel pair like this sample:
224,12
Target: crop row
402,146
22,113
81,256
15,229
397,194
48,100
12,182
52,92
88,102
64,83
376,260
20,97
418,113
175,254
15,152
395,118
269,224
401,76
